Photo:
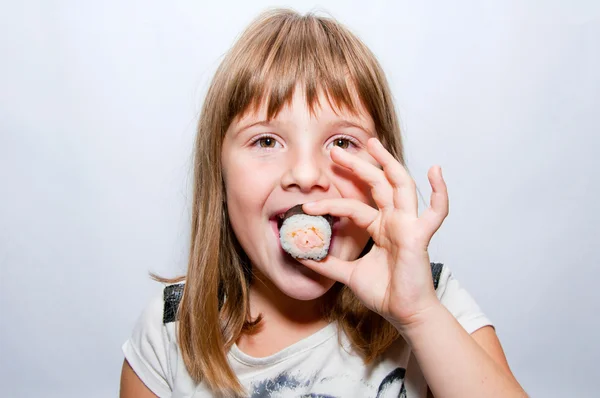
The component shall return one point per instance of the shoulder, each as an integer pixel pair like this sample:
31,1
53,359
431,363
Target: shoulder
162,308
436,273
443,279
159,311
149,348
457,299
171,298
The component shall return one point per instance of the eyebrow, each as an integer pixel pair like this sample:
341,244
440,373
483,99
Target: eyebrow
264,123
348,123
334,124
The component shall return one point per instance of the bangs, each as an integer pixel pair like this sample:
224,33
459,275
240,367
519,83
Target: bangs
282,52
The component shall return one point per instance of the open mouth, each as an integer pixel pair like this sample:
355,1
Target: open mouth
276,222
279,219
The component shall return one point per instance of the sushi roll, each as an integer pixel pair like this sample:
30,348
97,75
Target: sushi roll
303,236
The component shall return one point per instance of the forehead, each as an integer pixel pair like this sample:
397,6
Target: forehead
322,108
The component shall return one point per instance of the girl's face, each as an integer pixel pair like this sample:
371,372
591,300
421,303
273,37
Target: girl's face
269,167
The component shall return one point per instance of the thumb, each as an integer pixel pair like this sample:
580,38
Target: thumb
332,268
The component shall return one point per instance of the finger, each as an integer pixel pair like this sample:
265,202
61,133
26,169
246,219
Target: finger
439,203
403,186
332,268
360,213
381,189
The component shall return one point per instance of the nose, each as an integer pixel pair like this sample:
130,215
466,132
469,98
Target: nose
306,172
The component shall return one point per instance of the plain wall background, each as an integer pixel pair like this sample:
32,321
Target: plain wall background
98,106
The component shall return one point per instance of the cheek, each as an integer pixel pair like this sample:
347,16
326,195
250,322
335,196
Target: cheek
237,188
247,186
243,203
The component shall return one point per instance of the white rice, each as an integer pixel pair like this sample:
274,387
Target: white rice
304,221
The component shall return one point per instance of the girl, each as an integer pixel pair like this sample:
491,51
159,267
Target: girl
299,112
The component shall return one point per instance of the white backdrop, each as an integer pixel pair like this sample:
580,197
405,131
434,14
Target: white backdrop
98,105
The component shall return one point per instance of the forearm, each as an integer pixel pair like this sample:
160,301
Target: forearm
452,362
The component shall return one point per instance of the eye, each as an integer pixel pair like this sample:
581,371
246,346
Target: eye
344,142
341,142
265,141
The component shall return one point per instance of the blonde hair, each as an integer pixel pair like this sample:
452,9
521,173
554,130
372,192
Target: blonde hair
278,50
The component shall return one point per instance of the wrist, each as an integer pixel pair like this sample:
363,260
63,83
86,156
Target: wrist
414,325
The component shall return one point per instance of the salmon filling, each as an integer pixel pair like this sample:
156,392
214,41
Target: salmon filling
307,239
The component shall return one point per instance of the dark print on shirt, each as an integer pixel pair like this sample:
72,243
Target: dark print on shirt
280,384
390,383
288,385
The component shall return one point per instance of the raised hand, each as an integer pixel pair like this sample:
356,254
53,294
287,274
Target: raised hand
394,278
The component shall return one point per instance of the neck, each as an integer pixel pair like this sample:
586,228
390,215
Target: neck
285,320
274,305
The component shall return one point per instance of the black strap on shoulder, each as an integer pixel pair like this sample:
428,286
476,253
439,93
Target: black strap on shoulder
173,293
172,296
436,272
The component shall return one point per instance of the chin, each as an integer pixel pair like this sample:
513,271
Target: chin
311,291
300,282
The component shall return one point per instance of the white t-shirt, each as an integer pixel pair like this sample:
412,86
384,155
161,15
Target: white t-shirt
317,366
